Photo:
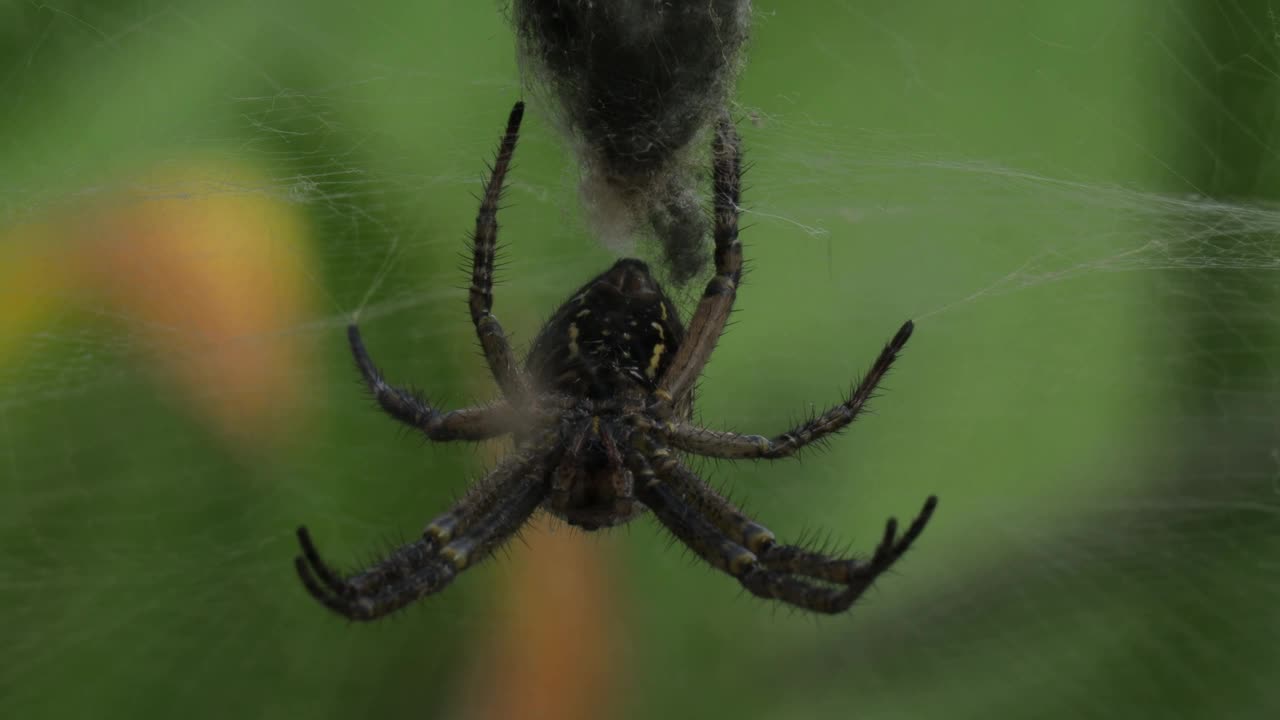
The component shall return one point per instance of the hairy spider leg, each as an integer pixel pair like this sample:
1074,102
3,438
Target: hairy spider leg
751,535
484,246
717,300
491,511
733,446
771,571
410,408
479,499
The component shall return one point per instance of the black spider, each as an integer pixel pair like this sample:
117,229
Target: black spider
598,412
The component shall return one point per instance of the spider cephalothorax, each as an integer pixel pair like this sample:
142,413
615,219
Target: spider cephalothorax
598,412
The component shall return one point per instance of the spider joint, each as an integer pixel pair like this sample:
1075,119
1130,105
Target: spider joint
741,562
721,285
647,476
758,538
459,557
441,529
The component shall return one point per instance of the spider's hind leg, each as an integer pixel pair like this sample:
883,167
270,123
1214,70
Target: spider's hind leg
851,573
727,539
490,513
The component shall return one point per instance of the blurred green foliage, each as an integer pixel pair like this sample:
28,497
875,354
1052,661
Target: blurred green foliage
1103,441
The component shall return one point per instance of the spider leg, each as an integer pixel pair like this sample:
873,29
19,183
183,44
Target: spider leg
484,243
479,423
480,499
717,300
728,540
732,446
759,539
664,467
485,517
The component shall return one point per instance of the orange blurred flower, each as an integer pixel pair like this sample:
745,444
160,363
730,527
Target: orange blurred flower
210,270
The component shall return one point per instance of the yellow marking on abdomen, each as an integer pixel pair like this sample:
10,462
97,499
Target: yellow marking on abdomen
652,370
573,340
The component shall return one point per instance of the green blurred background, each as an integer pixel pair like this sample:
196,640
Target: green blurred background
1074,200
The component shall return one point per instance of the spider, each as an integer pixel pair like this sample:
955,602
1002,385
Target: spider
599,410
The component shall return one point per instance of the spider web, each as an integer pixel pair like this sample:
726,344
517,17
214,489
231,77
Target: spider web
1076,204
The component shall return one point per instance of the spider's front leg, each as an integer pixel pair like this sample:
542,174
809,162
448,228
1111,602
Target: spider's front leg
717,300
411,409
484,247
733,446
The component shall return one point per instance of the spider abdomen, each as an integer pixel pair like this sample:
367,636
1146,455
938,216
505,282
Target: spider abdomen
616,335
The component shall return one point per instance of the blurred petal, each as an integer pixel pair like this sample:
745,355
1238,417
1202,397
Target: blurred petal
33,280
214,269
554,651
